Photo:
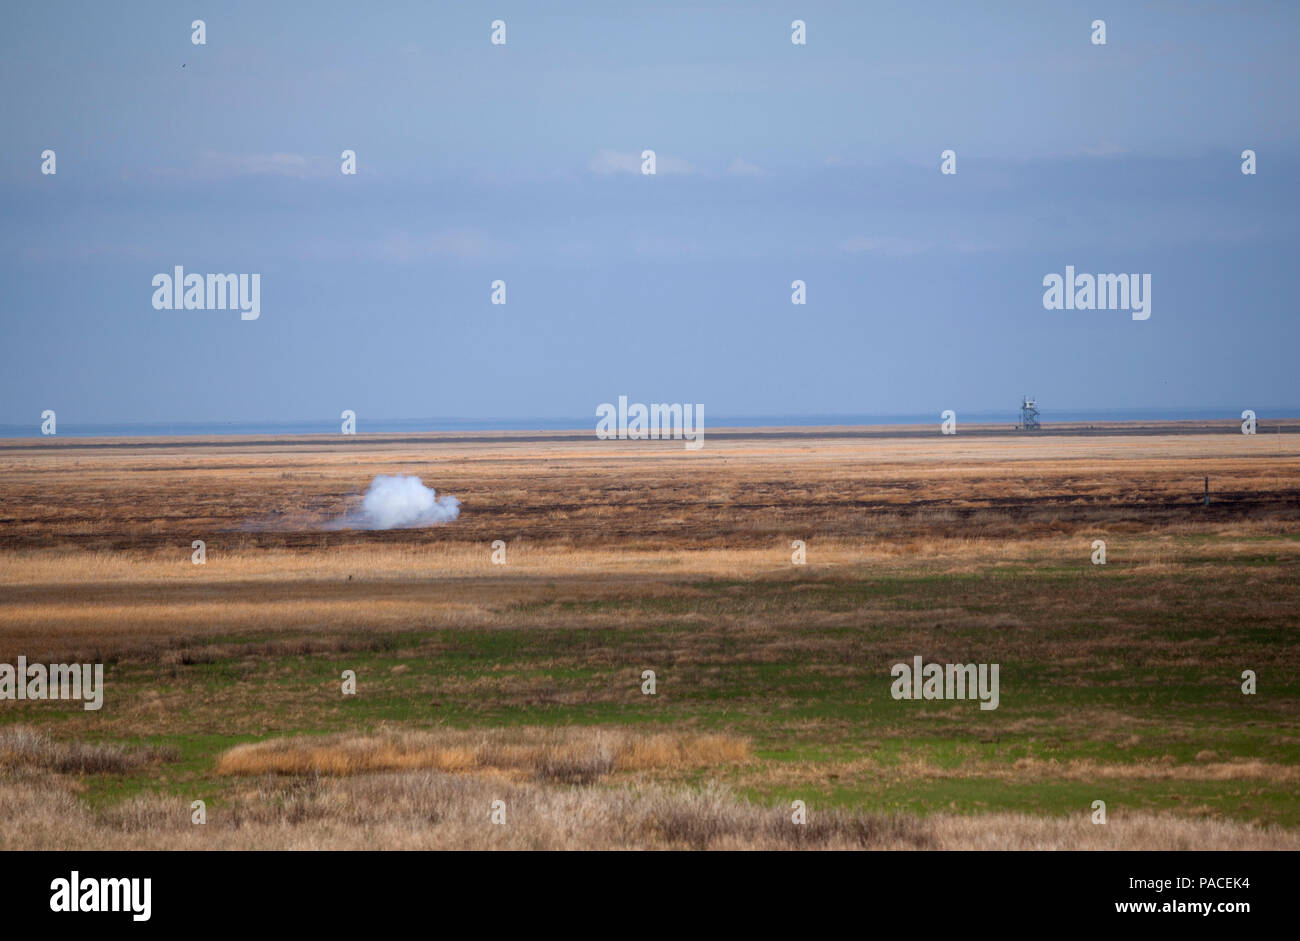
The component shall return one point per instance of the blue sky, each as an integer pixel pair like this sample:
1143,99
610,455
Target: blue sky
775,162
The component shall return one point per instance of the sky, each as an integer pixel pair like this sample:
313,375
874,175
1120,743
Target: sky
521,162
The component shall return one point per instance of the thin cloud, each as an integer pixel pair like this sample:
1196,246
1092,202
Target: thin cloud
743,168
455,243
217,166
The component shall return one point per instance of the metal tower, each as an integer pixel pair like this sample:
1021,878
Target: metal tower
1028,414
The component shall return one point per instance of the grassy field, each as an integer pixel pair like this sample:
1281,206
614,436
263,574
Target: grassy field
522,682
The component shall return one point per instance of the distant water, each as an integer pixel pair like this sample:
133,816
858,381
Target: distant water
68,429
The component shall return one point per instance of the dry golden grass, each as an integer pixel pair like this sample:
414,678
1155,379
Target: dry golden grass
566,755
24,749
633,495
421,810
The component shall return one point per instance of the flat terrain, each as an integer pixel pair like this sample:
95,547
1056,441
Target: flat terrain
522,682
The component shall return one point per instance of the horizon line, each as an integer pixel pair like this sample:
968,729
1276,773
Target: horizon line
435,425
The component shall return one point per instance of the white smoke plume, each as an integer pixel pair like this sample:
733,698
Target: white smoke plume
402,502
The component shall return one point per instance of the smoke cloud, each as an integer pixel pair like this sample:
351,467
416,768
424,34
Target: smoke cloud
401,502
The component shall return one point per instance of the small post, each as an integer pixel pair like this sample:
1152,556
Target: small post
1207,490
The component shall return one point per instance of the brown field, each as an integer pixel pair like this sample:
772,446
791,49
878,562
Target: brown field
479,682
